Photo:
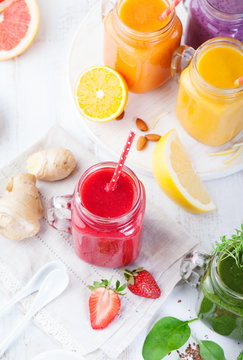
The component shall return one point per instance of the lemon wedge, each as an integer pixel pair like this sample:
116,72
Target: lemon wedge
100,93
174,173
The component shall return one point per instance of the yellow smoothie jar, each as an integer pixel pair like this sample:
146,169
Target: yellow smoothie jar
139,45
209,106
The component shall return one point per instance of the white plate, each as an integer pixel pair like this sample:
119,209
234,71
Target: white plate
58,355
86,50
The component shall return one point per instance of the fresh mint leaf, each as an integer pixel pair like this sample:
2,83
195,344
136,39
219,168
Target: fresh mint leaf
167,334
209,350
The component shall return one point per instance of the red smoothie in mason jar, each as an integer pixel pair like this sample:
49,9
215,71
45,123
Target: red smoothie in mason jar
99,201
107,225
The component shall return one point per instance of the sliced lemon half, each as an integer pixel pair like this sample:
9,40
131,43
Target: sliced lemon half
101,93
174,173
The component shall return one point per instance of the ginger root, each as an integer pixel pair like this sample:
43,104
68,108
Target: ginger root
21,208
51,164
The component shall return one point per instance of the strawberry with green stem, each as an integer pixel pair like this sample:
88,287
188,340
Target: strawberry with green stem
140,282
104,303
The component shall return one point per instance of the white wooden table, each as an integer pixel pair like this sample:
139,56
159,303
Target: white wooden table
33,96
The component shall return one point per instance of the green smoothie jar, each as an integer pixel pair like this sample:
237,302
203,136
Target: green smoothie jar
220,283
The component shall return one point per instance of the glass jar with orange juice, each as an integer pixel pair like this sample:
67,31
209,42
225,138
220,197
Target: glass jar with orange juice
138,44
209,103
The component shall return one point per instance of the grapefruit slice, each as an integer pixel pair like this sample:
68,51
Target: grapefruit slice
4,4
18,26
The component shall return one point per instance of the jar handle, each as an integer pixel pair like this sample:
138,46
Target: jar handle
193,266
106,7
59,213
180,60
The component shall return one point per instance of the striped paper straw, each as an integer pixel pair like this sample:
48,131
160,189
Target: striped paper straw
239,81
169,9
112,184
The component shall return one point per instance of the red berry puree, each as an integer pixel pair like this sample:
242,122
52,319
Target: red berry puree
101,235
99,201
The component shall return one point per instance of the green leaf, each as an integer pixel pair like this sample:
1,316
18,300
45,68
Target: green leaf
166,335
105,282
218,324
240,357
121,288
206,305
232,247
209,350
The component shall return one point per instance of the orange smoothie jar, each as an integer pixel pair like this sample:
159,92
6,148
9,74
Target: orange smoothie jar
139,45
209,106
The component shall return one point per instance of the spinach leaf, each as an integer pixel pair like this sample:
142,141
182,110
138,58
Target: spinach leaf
218,324
209,350
166,335
240,357
206,306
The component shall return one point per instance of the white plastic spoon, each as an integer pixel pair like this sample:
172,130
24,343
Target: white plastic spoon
53,285
58,355
33,284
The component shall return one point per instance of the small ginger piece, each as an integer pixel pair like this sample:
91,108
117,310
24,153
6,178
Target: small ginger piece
21,208
51,164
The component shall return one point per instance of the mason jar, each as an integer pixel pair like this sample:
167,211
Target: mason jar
213,18
109,241
211,114
220,299
143,58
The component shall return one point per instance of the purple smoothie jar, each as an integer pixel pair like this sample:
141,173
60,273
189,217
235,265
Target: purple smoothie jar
213,18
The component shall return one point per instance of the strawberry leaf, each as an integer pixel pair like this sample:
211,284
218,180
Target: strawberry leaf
121,288
131,280
106,284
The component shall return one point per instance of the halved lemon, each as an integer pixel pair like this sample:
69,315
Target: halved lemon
174,173
101,93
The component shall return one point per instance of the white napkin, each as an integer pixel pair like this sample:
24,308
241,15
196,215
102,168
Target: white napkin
67,318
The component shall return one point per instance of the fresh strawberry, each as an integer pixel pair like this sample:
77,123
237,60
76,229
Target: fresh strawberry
104,303
140,282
